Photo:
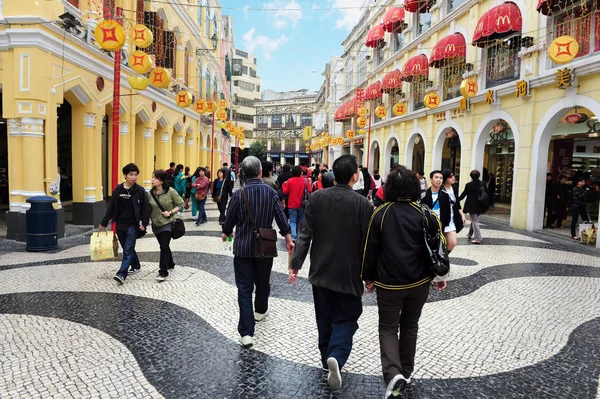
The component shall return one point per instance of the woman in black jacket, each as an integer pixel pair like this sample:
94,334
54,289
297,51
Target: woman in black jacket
395,262
578,209
472,206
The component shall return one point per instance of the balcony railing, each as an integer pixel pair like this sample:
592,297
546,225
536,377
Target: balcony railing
263,125
276,125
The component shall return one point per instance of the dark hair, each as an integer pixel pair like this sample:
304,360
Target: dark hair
327,180
179,167
172,164
267,168
323,171
287,168
401,183
130,167
187,170
304,172
202,170
225,164
375,171
548,174
475,175
578,179
297,171
162,176
197,172
435,172
446,173
421,173
560,177
344,168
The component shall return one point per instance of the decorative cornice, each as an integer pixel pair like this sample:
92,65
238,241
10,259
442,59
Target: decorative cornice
32,127
124,128
89,120
148,132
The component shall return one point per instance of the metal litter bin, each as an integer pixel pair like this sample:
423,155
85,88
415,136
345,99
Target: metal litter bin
41,225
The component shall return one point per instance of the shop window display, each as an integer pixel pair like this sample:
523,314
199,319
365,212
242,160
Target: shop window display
582,23
503,62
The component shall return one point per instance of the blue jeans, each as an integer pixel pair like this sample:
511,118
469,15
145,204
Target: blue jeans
127,236
250,272
337,321
200,210
296,217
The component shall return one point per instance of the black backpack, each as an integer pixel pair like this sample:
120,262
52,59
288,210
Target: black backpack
483,198
435,243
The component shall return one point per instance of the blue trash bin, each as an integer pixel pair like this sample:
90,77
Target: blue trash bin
41,224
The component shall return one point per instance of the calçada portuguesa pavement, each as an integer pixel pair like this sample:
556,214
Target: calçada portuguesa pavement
520,319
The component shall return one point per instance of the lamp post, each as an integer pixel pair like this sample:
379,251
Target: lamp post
115,114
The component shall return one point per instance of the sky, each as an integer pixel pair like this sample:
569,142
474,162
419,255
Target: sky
292,39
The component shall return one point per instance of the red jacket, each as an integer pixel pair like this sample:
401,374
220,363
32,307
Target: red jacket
294,188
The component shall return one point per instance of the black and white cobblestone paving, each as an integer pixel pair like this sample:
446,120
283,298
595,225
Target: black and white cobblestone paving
520,319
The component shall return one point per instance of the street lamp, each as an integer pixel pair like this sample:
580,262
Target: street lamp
203,51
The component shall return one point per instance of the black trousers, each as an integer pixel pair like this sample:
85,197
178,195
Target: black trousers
337,321
251,272
222,206
549,210
577,211
399,309
166,256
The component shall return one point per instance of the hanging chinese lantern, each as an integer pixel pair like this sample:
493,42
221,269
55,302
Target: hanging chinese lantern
380,112
110,35
563,49
241,129
200,106
324,142
222,104
350,134
242,147
361,122
221,125
362,112
160,78
229,126
399,109
211,106
221,115
140,62
141,36
236,132
138,82
432,100
469,88
360,132
183,99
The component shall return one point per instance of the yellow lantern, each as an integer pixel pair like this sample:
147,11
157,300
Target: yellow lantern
399,109
210,106
110,35
138,82
241,129
200,106
236,132
229,126
380,112
362,112
324,142
221,125
140,62
432,100
183,99
469,88
563,49
221,115
242,147
160,78
222,104
361,122
307,133
350,134
141,36
360,132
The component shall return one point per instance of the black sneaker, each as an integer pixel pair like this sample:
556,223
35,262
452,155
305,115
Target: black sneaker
133,271
119,279
161,278
396,385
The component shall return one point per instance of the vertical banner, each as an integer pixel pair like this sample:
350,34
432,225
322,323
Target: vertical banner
562,162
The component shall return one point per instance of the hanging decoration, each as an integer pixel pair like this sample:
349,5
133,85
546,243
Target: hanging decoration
160,78
350,134
222,104
183,99
432,100
138,82
140,62
236,132
110,35
340,141
324,142
221,115
221,124
362,112
229,126
563,49
141,36
200,106
307,133
361,122
469,88
380,112
242,147
211,106
399,109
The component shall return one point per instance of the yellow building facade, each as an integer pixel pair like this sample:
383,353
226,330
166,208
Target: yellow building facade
57,96
525,113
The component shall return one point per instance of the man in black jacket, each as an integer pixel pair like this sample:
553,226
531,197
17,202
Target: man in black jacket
129,209
336,221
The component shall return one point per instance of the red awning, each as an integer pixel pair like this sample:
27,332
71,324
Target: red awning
339,114
497,23
415,68
375,36
392,81
547,7
350,108
393,19
373,91
419,6
449,48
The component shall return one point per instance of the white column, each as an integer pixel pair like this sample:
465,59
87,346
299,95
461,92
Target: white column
89,124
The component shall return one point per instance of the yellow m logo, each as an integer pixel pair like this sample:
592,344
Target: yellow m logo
503,20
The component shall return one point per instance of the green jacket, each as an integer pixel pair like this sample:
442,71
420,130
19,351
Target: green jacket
169,200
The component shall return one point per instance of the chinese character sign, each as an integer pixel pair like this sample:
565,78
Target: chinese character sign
563,157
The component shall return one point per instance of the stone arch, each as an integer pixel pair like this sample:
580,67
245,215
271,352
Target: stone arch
387,153
80,94
438,143
374,147
539,154
143,112
207,144
410,146
216,144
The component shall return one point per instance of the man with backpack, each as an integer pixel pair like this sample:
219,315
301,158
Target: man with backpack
298,190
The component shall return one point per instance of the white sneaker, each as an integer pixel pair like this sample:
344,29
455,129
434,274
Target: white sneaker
160,278
194,217
396,385
247,341
334,379
259,316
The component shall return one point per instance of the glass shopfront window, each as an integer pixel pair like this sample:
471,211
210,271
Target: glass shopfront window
503,63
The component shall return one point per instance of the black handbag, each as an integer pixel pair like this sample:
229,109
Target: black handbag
177,225
435,243
483,198
265,239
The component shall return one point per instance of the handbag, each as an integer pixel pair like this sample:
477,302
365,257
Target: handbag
265,239
483,198
217,198
200,195
435,243
103,246
305,194
177,225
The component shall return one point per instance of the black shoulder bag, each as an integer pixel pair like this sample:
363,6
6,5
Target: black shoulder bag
265,239
437,251
177,225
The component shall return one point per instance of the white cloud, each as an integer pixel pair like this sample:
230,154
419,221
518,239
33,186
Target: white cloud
266,45
287,14
350,11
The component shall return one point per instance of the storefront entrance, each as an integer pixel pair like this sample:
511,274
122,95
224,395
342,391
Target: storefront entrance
3,161
65,151
418,155
499,161
451,153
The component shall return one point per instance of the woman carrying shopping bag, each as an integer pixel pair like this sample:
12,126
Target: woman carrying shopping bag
165,197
